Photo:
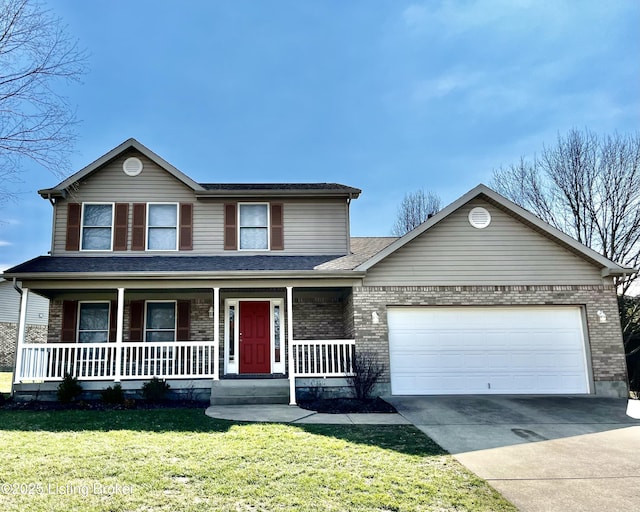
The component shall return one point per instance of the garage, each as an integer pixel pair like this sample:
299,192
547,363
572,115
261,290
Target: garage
487,350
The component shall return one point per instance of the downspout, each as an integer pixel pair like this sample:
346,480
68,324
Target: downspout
349,224
53,221
15,356
18,289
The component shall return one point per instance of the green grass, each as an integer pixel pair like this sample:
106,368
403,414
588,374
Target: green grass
5,382
181,460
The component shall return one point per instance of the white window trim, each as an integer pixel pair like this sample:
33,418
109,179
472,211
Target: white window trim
268,227
233,368
112,227
148,227
80,303
175,319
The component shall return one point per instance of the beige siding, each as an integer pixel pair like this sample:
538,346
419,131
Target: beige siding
316,227
310,226
506,252
37,306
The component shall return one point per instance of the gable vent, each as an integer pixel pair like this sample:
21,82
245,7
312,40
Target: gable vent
132,166
479,217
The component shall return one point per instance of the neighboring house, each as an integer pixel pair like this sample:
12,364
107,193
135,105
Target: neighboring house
36,322
213,285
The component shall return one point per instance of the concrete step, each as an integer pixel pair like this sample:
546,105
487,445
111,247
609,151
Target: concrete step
249,391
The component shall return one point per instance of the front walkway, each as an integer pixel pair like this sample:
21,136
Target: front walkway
279,413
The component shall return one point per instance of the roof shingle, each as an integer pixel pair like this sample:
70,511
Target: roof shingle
124,264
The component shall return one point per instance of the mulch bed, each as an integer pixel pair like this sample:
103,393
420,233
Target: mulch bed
99,405
324,405
347,405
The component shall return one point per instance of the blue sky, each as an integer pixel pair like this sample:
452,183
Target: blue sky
384,95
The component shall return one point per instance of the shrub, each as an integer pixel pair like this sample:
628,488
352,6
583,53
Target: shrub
366,372
69,389
113,395
155,390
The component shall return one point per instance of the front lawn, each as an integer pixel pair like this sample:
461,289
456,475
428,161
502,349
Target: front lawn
181,460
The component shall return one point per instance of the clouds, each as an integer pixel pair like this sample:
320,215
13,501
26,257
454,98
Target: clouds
453,18
408,94
542,61
476,85
3,265
450,82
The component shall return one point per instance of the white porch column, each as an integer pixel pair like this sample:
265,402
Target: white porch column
292,374
119,334
22,334
216,333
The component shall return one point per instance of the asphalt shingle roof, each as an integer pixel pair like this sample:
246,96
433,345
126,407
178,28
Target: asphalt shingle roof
64,264
279,186
362,249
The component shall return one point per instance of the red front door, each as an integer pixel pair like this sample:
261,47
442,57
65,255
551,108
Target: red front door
255,337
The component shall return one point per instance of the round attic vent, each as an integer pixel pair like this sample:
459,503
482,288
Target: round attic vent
132,166
479,217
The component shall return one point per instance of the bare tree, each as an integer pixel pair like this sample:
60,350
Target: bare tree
36,121
587,186
416,207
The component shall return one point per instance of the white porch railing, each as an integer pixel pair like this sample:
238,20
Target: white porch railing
97,361
168,360
323,358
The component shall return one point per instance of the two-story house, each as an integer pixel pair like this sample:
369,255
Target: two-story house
153,274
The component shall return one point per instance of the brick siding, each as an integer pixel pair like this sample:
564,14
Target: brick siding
320,318
605,339
8,338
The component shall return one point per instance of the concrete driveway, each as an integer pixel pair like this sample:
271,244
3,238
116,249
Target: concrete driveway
541,453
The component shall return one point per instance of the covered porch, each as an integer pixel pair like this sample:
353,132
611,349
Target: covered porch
188,333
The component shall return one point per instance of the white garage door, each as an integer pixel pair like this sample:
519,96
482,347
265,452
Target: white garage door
500,350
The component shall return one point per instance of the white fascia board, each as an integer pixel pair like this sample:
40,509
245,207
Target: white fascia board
51,287
244,275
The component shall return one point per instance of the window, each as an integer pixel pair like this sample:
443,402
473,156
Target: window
162,229
276,333
254,226
97,220
160,323
231,343
93,322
